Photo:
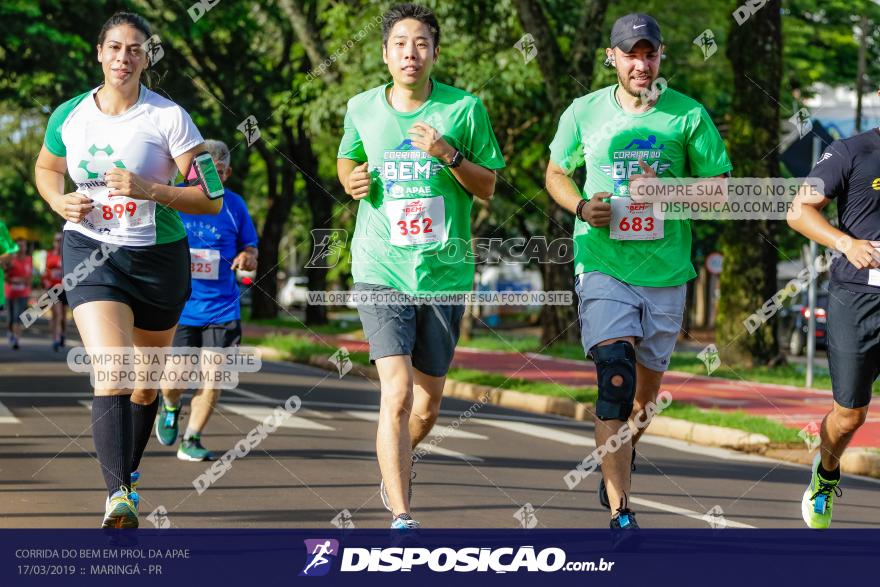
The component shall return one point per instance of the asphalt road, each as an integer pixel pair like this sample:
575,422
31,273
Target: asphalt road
494,469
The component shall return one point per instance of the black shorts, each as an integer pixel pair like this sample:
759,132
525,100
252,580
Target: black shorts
154,281
853,344
224,335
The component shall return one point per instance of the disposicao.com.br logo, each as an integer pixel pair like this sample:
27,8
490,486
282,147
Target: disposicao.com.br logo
320,554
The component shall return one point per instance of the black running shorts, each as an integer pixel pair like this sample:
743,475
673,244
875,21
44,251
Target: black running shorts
853,344
154,281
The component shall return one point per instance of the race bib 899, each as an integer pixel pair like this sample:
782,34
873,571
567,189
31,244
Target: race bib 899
114,212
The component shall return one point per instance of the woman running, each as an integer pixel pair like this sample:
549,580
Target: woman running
122,145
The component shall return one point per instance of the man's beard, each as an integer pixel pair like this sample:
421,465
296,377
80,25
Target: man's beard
625,83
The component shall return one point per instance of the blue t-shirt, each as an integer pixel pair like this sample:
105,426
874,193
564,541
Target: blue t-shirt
214,242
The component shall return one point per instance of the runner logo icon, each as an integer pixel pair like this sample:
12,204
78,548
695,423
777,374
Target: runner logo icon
320,554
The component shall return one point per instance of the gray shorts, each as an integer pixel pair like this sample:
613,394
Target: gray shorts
427,333
609,308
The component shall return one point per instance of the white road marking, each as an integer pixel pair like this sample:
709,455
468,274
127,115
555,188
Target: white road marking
260,413
6,417
445,452
542,432
683,512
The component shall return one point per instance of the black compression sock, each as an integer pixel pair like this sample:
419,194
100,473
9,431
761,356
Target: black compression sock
111,432
142,420
829,475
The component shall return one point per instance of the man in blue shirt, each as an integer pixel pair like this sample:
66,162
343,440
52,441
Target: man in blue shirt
212,317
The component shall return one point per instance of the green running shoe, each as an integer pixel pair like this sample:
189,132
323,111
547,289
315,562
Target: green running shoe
818,499
121,511
191,449
166,424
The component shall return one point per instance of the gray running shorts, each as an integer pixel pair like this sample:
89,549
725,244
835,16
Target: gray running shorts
427,333
609,308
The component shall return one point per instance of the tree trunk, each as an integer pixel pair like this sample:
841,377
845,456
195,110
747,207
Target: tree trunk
320,203
265,291
560,323
750,255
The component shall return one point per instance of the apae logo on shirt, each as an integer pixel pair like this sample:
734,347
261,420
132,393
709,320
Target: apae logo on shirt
625,163
96,166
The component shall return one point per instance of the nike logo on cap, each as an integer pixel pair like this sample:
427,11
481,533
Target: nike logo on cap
639,26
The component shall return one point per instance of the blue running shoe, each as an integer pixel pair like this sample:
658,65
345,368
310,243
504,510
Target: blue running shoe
167,424
135,478
404,522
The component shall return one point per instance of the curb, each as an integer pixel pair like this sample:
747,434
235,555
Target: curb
708,435
855,461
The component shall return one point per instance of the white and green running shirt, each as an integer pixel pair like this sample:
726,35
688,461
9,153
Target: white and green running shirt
413,232
144,139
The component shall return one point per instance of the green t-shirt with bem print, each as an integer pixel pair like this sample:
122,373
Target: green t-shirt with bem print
413,230
676,138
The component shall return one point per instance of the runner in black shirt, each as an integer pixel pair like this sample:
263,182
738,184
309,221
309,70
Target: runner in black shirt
850,169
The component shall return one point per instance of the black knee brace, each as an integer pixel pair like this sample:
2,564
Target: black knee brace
616,359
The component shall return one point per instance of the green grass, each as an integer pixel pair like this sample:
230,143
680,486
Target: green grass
773,430
299,349
287,321
580,394
522,344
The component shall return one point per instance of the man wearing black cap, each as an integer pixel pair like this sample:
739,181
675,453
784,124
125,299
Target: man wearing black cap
631,267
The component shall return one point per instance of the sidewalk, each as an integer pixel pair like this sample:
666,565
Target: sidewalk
794,407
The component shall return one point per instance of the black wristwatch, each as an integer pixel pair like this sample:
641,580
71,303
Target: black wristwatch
456,159
580,207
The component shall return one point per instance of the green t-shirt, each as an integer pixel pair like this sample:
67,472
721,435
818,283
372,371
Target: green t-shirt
413,231
676,137
7,247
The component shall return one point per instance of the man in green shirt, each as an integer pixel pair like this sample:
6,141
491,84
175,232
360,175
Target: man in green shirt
8,248
414,153
631,266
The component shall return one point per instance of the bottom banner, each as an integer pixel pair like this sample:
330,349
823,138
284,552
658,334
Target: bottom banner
436,557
